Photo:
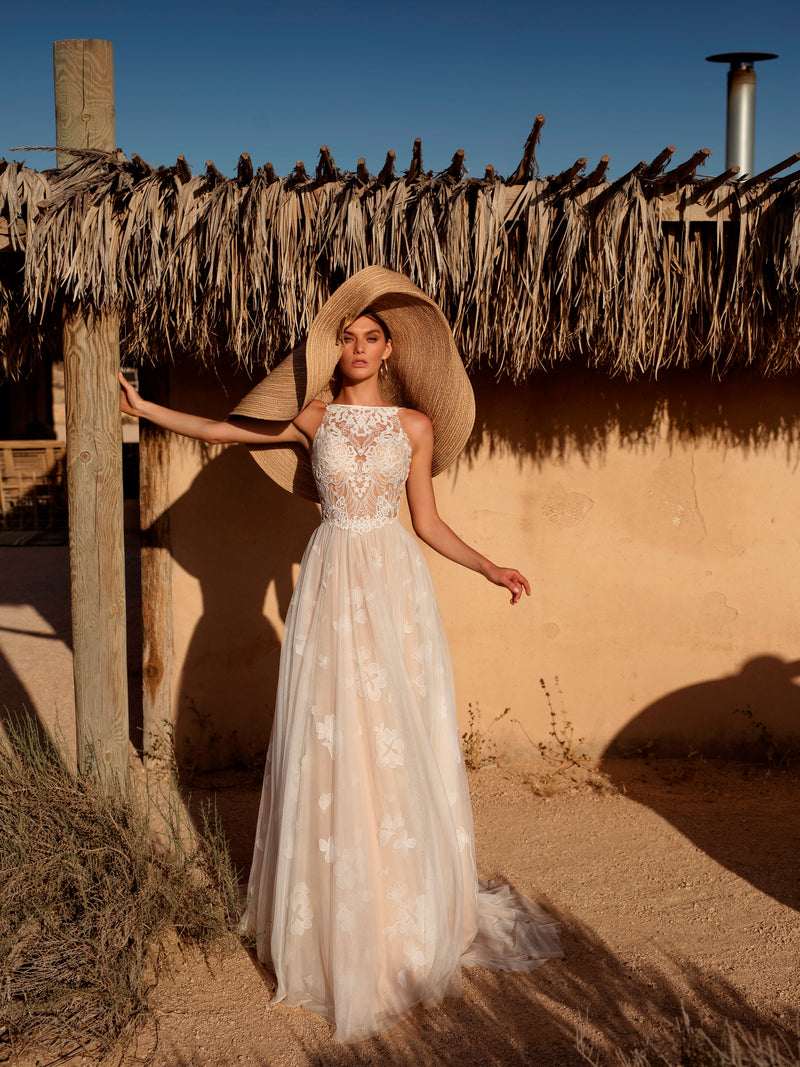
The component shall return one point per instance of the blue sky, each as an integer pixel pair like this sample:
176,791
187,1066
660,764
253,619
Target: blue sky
211,81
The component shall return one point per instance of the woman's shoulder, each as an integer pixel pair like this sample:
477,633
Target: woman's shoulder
415,423
310,418
414,417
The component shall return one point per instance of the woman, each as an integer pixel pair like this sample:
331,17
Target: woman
363,891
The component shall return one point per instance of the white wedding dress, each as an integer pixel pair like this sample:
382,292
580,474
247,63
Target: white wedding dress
363,893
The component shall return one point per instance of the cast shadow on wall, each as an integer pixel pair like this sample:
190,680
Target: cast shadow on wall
570,410
238,534
752,715
39,578
51,599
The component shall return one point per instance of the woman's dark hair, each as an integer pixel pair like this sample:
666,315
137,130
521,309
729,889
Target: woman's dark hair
370,314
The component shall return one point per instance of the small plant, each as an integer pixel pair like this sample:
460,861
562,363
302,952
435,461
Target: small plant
478,748
567,766
761,730
776,753
563,750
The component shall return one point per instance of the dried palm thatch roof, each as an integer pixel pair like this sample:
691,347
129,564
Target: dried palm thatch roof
656,269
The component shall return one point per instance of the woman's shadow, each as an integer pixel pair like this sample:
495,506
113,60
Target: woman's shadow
754,715
240,536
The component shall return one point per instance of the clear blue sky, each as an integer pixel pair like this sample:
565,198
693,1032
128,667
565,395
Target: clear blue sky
278,80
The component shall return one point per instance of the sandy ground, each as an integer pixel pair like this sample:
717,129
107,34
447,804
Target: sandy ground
676,883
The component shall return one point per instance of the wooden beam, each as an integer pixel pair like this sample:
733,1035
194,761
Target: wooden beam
708,185
765,175
558,181
597,198
528,166
326,168
787,179
214,177
684,172
182,170
387,170
456,168
415,168
84,94
592,179
244,169
658,164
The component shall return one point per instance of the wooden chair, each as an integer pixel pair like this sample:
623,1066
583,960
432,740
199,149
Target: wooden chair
32,495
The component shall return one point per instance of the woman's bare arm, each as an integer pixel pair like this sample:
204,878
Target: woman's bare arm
430,528
217,431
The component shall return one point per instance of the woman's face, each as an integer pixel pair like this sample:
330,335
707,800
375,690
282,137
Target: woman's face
364,348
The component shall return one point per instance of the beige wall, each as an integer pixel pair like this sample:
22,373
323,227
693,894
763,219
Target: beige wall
658,521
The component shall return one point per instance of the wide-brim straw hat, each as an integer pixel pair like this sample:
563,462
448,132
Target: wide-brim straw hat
424,372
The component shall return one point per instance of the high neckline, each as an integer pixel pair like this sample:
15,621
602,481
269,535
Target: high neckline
376,407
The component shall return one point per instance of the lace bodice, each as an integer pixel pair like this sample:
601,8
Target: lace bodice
360,459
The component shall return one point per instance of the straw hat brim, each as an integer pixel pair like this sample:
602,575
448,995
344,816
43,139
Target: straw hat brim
425,372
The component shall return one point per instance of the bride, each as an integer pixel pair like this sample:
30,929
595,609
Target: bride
363,893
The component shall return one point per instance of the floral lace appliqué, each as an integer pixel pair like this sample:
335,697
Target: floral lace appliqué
360,459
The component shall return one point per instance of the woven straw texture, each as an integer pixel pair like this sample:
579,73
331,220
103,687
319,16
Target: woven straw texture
425,372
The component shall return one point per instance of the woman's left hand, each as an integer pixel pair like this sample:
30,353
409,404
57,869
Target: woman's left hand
512,579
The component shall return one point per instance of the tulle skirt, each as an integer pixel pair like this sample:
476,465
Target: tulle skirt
363,892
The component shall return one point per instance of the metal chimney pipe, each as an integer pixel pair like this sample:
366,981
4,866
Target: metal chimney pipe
740,142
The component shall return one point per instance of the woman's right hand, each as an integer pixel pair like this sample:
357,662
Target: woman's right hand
130,401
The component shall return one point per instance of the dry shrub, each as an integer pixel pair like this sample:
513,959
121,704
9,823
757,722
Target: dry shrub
88,896
479,750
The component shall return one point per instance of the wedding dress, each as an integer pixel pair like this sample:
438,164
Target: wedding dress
363,893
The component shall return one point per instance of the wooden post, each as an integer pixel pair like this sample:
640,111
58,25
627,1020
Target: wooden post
154,501
83,72
84,103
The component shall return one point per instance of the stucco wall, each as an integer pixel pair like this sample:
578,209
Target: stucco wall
659,523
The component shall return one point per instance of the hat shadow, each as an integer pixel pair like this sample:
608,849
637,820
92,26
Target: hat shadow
753,716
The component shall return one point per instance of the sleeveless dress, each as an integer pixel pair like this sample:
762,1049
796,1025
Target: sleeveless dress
363,892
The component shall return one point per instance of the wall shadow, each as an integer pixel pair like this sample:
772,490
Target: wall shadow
237,533
39,578
570,410
739,716
752,715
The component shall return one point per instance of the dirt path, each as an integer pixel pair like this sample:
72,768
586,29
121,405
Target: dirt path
676,883
651,921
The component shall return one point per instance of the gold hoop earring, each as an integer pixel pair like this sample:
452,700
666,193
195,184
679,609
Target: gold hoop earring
383,373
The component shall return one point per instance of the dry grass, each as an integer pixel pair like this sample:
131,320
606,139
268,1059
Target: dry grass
88,896
689,1044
